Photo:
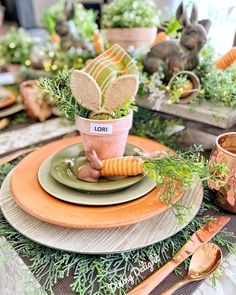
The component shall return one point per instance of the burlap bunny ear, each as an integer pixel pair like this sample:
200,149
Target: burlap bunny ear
122,88
106,82
86,90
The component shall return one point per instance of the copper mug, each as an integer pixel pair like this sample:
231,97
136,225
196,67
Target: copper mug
225,152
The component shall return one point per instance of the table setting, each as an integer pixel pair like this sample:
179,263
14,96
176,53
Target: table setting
131,247
104,199
111,213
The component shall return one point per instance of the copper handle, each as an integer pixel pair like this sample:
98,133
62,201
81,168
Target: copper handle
176,286
145,287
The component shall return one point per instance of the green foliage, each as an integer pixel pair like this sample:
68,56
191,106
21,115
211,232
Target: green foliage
59,88
15,46
176,172
53,14
128,106
151,84
84,20
73,58
206,62
130,14
220,88
147,123
173,27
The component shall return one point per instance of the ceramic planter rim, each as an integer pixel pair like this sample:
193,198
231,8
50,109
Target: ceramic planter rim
223,149
104,121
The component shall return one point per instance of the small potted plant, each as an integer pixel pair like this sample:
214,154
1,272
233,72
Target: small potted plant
15,49
130,22
100,99
183,87
2,10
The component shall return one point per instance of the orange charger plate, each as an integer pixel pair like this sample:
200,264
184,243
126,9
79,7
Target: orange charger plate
30,196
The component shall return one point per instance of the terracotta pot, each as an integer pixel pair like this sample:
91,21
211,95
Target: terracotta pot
34,101
225,152
196,86
14,69
107,137
127,37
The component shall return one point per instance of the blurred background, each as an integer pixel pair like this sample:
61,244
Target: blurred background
28,14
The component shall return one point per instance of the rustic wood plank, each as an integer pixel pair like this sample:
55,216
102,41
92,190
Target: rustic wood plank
205,113
23,137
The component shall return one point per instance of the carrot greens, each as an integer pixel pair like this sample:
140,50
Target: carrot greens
177,172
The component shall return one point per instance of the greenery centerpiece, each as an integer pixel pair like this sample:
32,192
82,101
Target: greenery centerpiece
83,19
130,22
218,85
15,49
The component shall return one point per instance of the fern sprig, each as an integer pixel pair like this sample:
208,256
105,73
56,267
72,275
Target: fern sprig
59,88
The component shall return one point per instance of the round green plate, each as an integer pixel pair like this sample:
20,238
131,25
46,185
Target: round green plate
65,162
62,192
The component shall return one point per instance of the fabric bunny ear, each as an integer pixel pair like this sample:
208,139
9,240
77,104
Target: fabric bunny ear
124,87
86,90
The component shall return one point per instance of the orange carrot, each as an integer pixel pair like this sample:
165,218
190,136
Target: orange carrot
98,43
122,166
55,38
162,36
226,60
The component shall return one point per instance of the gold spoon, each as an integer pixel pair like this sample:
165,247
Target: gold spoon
204,262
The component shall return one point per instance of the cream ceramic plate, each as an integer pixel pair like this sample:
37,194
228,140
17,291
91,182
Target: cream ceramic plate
17,107
68,194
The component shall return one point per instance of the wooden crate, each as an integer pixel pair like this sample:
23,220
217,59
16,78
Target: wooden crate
203,123
206,112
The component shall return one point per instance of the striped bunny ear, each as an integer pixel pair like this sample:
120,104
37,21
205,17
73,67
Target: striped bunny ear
86,90
122,88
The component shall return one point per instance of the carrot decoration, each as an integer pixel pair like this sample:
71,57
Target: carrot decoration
55,38
160,37
173,171
226,60
161,166
122,166
98,43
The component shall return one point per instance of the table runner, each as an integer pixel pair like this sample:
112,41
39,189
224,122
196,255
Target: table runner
78,270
